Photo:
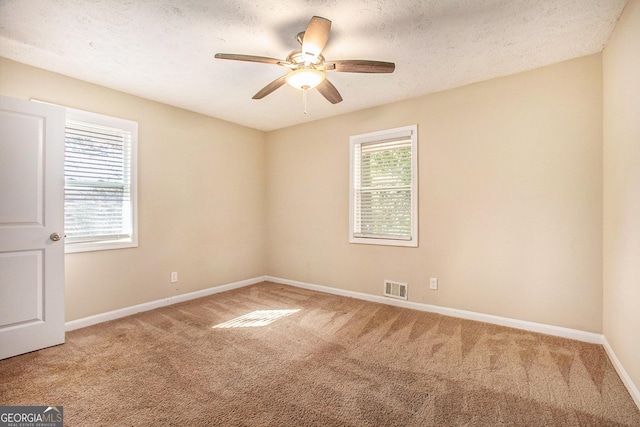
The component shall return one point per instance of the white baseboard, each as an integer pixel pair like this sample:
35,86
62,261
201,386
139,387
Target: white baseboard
624,376
128,311
558,331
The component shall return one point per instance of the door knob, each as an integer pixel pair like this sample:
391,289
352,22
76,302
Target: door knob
55,236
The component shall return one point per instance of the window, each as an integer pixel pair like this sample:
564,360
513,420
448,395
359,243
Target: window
383,204
100,203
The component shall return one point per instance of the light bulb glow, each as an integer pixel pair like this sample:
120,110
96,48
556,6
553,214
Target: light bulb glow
305,78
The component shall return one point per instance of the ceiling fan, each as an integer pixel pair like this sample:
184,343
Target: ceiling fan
308,66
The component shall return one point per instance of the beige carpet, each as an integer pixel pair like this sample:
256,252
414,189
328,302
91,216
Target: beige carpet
327,360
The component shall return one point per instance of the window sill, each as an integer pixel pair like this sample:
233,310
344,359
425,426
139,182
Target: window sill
384,242
71,248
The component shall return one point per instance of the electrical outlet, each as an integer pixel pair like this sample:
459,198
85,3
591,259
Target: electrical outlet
433,283
174,277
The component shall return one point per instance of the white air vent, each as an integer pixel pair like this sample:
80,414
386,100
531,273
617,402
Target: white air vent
395,289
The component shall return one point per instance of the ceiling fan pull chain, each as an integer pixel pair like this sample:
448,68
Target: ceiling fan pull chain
304,97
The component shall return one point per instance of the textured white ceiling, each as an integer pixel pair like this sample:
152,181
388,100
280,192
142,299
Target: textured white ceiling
164,49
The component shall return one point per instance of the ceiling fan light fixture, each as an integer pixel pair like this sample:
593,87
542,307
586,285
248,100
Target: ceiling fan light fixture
305,78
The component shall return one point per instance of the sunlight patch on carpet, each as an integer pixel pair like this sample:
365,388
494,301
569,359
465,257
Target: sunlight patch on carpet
256,318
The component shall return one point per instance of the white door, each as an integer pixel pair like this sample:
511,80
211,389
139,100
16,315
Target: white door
31,213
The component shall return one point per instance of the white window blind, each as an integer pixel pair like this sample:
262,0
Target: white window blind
384,188
99,182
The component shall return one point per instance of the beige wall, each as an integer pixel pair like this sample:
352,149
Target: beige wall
510,199
201,198
621,69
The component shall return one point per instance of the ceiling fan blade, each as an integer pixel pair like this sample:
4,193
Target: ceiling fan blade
316,36
248,58
361,66
329,91
270,87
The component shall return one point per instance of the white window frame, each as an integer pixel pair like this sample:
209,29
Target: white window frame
382,136
131,127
